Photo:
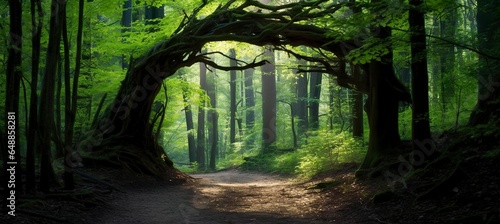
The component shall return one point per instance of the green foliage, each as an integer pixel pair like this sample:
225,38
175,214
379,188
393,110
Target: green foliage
325,151
231,160
286,163
193,168
278,162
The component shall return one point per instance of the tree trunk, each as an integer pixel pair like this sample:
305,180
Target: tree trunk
357,107
189,123
126,23
301,105
213,120
315,93
487,107
249,99
12,154
232,89
57,137
268,102
124,129
448,26
200,151
331,101
420,79
382,105
46,110
36,18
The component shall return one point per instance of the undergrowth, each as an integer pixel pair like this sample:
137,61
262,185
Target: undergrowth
323,151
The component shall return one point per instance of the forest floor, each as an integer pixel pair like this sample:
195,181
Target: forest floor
235,196
229,196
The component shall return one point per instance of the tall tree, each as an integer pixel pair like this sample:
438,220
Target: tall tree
385,92
300,108
200,151
249,104
12,155
249,99
189,122
46,109
152,13
36,23
357,110
213,119
314,96
126,23
232,89
420,80
126,120
488,76
448,27
268,101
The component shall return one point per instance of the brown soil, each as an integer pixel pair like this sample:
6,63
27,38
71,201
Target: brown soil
234,196
230,196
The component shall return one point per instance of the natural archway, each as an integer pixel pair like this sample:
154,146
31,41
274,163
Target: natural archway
124,133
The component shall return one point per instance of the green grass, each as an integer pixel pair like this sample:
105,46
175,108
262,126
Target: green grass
324,151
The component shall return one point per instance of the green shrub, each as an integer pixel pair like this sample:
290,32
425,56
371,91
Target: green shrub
286,163
231,160
193,168
326,150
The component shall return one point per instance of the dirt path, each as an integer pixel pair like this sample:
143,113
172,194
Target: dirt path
223,197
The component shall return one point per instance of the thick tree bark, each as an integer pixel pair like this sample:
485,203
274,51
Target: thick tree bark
357,115
36,23
385,92
46,110
382,106
357,110
315,93
382,110
268,102
420,80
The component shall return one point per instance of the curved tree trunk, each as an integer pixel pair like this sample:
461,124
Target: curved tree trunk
124,132
385,92
382,110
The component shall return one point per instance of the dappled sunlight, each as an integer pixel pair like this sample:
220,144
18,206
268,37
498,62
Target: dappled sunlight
244,192
236,178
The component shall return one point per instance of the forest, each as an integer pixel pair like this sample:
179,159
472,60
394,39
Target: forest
250,111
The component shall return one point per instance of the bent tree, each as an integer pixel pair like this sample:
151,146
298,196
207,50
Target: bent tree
124,134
